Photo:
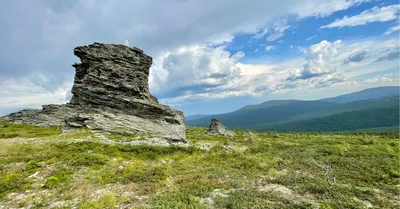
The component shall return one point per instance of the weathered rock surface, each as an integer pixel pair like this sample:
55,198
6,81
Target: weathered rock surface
111,93
216,127
49,115
112,76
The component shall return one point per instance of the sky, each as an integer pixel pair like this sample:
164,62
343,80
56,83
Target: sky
209,56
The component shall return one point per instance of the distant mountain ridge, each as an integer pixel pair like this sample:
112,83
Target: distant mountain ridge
277,112
371,93
194,117
347,121
270,114
267,104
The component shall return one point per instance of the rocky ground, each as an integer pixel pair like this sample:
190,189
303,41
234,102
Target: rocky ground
48,168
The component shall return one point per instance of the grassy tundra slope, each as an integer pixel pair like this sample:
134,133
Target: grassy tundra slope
44,168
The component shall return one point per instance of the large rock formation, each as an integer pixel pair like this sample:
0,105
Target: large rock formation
111,93
216,127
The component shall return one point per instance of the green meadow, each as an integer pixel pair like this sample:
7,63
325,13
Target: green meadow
45,168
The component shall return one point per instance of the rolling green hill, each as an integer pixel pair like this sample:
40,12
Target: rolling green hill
353,120
336,108
371,93
266,115
260,115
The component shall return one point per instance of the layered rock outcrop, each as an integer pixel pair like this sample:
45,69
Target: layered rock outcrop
216,127
49,115
111,93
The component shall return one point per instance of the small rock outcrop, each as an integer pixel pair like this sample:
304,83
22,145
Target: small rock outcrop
111,93
49,115
216,127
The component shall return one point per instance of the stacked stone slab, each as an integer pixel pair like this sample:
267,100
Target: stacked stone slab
216,127
111,93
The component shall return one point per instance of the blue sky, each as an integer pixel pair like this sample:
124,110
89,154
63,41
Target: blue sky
208,56
307,31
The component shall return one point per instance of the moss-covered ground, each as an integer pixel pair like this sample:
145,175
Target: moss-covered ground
43,168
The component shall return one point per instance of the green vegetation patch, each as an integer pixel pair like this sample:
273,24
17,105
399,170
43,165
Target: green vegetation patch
257,170
8,130
126,136
108,201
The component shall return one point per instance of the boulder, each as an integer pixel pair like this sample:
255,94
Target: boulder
111,93
216,127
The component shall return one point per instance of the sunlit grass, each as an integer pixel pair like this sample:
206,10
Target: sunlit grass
8,130
324,170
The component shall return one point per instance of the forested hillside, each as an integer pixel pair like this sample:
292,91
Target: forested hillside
354,120
332,114
294,113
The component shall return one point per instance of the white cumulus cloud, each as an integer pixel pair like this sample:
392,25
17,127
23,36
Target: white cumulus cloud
321,67
194,69
317,56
